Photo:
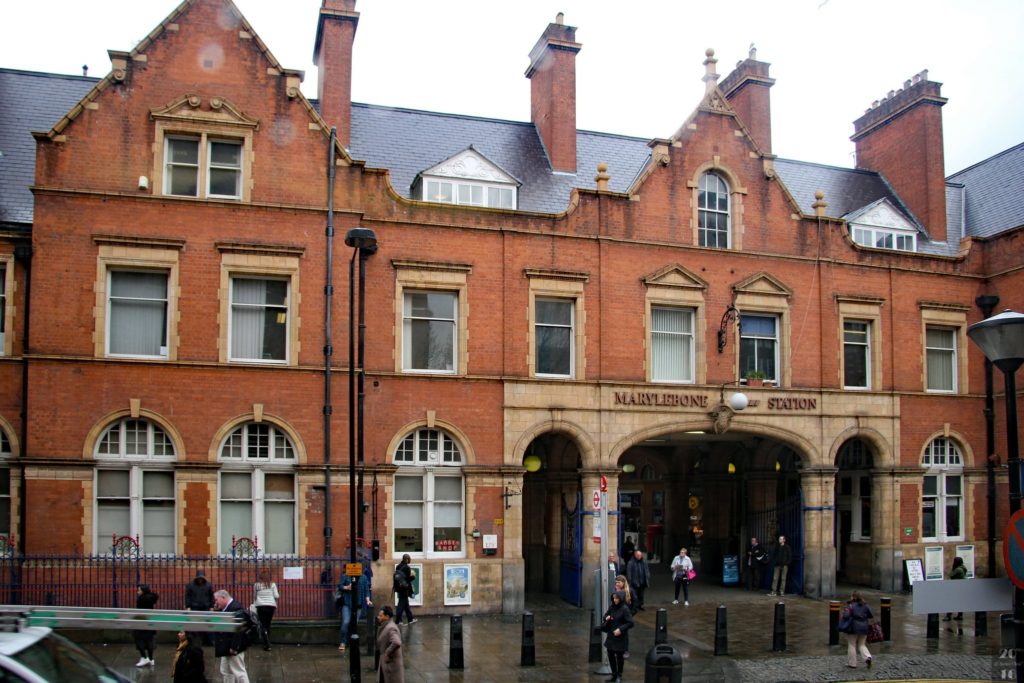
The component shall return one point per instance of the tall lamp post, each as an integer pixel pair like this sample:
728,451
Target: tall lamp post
363,242
1001,339
987,303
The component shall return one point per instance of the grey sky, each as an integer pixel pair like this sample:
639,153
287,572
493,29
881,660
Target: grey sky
639,72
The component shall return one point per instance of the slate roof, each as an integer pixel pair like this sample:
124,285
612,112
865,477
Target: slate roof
29,101
407,141
993,193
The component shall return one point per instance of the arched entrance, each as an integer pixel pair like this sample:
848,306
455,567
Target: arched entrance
711,493
853,523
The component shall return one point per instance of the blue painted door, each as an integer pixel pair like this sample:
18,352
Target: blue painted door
571,564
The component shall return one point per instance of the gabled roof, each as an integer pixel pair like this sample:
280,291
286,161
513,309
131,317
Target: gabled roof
880,214
407,142
30,101
470,164
993,193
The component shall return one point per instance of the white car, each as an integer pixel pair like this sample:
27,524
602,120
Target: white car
36,654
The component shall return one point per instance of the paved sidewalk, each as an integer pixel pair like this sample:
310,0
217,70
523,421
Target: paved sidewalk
492,646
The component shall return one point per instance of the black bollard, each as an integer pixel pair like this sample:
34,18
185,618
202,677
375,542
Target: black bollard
834,607
886,618
455,659
721,632
596,652
354,672
933,626
661,627
1006,632
980,624
371,640
529,651
779,628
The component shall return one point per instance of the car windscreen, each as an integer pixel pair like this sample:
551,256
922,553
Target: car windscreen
56,658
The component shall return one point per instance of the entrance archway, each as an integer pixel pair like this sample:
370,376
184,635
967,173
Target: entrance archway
854,549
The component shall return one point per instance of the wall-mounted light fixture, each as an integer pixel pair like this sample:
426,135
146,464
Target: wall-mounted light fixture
532,463
732,468
778,466
629,468
721,415
731,313
476,532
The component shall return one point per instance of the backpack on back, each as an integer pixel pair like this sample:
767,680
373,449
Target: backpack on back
401,581
252,629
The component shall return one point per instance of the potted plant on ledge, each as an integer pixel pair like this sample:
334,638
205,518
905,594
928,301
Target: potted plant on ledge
755,378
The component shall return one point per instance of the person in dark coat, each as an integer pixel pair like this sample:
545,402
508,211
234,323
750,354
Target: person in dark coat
389,645
782,556
957,572
187,665
757,558
617,622
403,587
228,647
857,636
626,551
639,575
146,599
199,597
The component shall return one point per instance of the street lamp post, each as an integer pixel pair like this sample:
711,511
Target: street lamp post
1001,339
363,242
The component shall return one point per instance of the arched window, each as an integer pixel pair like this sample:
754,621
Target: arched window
713,212
135,485
942,491
429,495
257,488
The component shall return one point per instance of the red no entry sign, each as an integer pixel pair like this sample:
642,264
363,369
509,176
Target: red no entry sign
1013,548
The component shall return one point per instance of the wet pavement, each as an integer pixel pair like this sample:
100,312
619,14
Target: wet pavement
492,645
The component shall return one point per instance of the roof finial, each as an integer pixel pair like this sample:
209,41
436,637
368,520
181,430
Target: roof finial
85,69
560,18
710,75
819,204
602,177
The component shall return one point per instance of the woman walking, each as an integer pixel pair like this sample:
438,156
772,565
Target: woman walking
187,665
857,635
957,571
617,622
682,565
266,599
146,599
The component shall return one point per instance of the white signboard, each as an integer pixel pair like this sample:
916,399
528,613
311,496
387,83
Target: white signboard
915,571
490,541
933,563
291,573
967,552
597,528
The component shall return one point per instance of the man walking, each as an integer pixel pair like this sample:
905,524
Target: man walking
228,646
389,645
781,557
639,575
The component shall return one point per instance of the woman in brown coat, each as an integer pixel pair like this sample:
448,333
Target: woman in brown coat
389,645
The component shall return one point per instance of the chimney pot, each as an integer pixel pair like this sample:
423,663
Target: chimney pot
560,18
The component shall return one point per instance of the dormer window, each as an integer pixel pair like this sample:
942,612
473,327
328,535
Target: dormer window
885,239
467,179
881,225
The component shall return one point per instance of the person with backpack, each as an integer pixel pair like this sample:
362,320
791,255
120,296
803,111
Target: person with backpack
230,647
403,587
957,572
265,599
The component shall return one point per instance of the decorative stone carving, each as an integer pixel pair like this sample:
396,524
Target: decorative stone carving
470,165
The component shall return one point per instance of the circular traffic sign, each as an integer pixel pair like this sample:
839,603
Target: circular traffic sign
597,500
1013,548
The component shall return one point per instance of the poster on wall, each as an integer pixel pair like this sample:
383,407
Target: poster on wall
416,599
933,563
967,553
458,584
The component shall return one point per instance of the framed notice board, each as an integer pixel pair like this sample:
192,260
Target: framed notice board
915,570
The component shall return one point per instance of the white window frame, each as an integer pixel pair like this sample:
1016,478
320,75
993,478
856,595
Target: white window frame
704,190
949,353
460,192
417,459
881,238
110,300
407,337
572,335
848,344
776,339
247,459
943,461
156,455
204,166
284,309
685,338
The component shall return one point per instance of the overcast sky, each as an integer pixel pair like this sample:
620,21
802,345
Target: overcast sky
639,72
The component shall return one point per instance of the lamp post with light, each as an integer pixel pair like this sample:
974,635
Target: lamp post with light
363,242
1001,339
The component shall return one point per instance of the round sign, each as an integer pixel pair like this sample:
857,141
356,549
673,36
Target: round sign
694,502
597,500
1013,548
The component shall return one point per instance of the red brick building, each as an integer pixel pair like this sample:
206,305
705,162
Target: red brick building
545,306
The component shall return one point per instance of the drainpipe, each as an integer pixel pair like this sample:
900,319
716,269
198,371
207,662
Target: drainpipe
360,378
987,304
23,255
328,350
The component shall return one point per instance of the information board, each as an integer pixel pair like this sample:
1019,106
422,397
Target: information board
933,563
730,569
915,570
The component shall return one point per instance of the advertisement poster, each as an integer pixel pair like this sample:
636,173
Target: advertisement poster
967,552
458,584
416,599
933,563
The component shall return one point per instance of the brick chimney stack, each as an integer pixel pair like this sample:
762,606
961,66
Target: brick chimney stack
552,75
335,33
747,91
901,136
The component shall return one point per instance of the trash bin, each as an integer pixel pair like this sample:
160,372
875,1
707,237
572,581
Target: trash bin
664,665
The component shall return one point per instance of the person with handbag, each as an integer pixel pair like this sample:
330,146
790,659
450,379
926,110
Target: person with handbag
855,624
617,622
682,573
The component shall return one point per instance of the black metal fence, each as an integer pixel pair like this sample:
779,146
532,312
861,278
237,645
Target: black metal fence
111,580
